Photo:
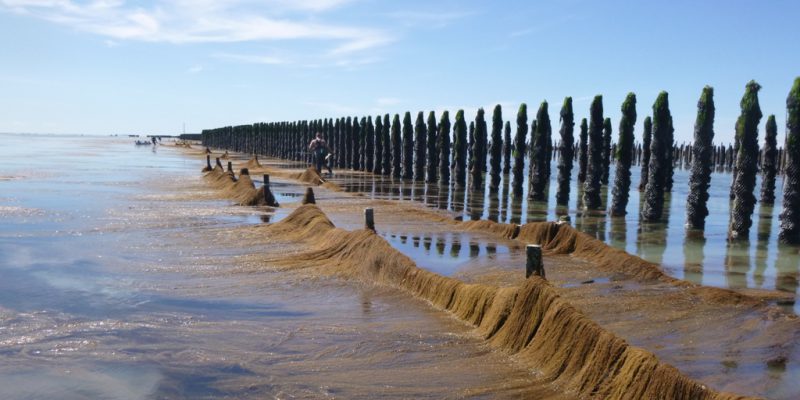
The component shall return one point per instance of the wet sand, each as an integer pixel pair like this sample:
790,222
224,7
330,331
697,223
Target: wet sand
732,343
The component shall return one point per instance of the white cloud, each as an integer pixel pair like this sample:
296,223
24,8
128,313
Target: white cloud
204,21
430,19
388,101
195,69
333,107
251,59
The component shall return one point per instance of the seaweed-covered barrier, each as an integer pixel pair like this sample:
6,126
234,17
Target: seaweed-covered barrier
531,321
241,189
560,238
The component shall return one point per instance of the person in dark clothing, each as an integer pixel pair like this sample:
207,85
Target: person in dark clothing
319,151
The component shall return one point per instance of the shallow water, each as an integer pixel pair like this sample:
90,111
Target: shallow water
119,282
701,257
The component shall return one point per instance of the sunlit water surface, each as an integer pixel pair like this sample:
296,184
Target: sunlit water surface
116,283
700,257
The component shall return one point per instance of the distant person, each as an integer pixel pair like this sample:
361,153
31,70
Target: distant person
319,151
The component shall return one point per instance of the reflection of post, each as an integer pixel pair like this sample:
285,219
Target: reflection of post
458,198
515,211
442,195
694,256
504,201
737,263
534,264
474,249
475,202
652,241
494,206
426,243
619,232
764,230
440,244
786,269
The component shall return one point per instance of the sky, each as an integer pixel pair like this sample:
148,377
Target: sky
149,67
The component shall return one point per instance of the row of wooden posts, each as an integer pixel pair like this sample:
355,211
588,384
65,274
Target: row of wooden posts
422,151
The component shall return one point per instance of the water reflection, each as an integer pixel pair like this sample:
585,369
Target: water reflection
706,258
694,256
446,253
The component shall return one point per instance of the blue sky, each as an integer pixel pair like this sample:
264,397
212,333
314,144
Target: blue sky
111,66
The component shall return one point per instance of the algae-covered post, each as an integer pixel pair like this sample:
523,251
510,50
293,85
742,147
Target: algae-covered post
538,178
660,146
790,215
369,219
387,146
397,147
355,161
670,163
460,149
470,145
647,135
369,146
745,180
444,149
591,192
702,165
377,167
566,151
420,147
408,147
624,155
583,149
770,162
496,151
478,151
433,151
519,150
348,143
432,163
507,147
606,159
534,265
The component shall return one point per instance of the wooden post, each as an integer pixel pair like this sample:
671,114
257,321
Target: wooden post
534,264
230,166
516,231
309,197
266,181
369,219
219,163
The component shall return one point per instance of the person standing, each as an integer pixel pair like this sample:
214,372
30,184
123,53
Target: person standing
319,151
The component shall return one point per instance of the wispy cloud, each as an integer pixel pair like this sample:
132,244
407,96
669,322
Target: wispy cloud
205,21
388,101
432,19
540,27
332,107
251,58
195,69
